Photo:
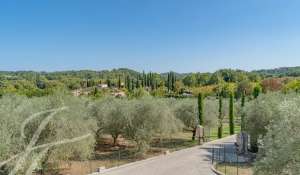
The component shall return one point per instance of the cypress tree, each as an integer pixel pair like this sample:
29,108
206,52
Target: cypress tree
142,79
220,117
95,91
108,83
147,80
231,117
138,83
243,114
256,91
168,82
173,79
132,84
200,108
128,83
119,82
152,82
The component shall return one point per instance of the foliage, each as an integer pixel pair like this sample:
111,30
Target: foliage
272,84
210,117
186,111
259,113
256,91
220,117
138,93
208,90
225,89
138,120
293,85
159,92
280,72
279,152
147,118
66,124
244,87
36,84
200,108
114,114
242,113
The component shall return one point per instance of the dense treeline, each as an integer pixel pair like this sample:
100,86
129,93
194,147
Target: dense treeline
280,72
226,81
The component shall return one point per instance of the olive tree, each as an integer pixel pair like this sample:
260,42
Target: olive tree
211,114
115,113
13,111
147,118
61,128
279,152
73,122
258,114
186,111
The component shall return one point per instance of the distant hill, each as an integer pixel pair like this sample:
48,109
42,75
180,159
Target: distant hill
179,76
280,72
123,72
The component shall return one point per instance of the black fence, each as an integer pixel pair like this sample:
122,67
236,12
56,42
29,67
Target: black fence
226,159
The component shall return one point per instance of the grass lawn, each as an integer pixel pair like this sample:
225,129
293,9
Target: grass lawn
214,131
231,169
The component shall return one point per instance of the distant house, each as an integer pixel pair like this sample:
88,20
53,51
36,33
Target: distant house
79,92
122,85
102,86
187,93
76,92
119,94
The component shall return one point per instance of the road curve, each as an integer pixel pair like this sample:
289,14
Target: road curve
191,161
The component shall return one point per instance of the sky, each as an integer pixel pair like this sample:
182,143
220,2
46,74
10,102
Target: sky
150,35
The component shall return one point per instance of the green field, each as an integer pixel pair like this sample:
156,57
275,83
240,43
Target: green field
214,131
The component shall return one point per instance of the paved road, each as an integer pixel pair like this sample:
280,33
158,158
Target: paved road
191,161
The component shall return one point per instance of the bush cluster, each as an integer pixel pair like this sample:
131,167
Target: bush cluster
273,122
138,120
68,123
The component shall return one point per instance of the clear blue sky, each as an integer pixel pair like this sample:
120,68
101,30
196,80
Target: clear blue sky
157,35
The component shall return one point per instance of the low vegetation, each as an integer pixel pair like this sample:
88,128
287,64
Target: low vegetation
138,121
234,169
